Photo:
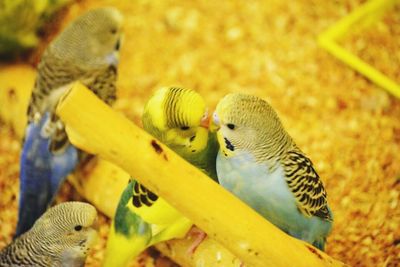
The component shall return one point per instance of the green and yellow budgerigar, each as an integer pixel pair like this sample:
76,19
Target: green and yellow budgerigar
178,118
62,236
260,163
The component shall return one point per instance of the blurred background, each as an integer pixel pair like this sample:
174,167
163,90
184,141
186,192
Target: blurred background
347,125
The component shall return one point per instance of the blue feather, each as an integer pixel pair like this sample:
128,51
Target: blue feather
267,192
41,175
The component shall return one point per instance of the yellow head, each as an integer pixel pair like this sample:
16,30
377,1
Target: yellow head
178,118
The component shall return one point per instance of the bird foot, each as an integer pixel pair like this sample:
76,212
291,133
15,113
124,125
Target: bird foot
198,235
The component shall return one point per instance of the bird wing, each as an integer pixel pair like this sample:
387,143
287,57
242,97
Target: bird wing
151,208
41,174
306,185
141,219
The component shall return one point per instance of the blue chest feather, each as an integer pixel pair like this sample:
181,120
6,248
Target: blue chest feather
267,192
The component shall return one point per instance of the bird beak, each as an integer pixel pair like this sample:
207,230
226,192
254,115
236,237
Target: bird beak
96,224
205,120
215,123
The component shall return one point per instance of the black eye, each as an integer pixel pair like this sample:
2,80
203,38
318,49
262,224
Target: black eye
231,126
113,31
184,128
78,228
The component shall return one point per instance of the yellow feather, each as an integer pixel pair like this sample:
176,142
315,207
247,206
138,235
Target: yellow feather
159,213
120,250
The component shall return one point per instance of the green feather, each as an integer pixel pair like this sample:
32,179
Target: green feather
127,222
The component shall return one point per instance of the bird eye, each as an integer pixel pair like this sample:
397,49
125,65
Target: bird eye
231,126
78,228
184,128
113,31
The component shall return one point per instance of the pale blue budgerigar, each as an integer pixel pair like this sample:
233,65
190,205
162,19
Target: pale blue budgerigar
260,163
177,117
87,50
62,236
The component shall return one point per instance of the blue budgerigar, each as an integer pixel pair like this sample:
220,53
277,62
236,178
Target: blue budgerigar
87,50
260,163
41,174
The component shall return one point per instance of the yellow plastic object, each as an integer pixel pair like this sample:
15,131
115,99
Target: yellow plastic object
362,16
102,131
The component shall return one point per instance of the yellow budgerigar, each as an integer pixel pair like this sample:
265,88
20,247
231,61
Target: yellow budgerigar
177,117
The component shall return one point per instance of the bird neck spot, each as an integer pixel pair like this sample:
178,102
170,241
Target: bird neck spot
229,145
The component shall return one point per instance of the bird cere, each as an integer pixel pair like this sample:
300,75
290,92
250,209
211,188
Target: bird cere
235,155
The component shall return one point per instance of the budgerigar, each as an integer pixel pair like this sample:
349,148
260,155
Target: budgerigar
260,163
60,237
86,51
178,118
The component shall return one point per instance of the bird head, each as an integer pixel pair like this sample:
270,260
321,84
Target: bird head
92,40
177,117
245,123
68,229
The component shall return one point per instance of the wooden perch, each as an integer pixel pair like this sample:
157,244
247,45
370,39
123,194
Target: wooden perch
102,131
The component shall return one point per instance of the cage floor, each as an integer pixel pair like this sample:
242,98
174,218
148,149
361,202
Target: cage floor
349,127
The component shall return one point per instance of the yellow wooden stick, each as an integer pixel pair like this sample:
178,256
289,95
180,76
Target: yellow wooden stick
100,130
